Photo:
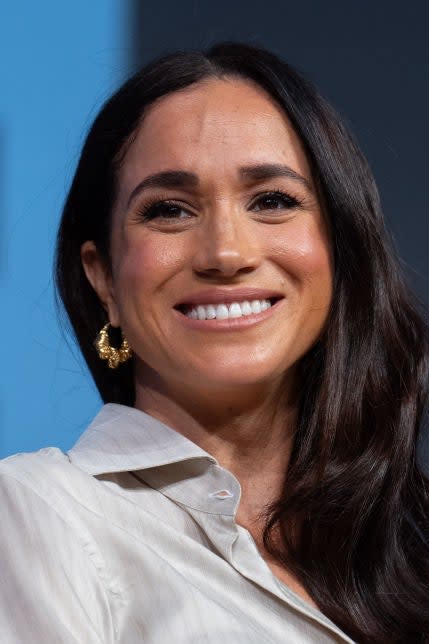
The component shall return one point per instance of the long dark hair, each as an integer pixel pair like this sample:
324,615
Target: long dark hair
353,517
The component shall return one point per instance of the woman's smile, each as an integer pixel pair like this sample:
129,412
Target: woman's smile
228,317
227,309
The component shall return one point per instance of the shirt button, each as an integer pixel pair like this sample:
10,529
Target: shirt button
221,494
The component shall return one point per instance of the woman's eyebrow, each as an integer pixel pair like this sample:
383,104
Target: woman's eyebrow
262,171
165,179
250,173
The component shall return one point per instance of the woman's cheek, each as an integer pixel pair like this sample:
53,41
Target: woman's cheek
304,254
149,261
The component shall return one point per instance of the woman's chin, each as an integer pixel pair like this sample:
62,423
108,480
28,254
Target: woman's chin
238,378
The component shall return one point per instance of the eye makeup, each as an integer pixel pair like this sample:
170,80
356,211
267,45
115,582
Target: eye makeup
172,210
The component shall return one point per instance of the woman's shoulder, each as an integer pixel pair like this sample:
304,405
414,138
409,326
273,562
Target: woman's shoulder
26,462
50,557
41,467
45,477
46,497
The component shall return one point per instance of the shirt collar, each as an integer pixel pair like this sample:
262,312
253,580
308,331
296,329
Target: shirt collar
122,438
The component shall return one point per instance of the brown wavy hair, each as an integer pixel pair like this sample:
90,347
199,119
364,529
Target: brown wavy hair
353,516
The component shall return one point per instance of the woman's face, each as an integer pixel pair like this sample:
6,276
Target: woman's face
216,205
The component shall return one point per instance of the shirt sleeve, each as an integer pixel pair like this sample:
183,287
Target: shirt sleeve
50,590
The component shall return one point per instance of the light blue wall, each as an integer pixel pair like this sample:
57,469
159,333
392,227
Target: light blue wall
59,61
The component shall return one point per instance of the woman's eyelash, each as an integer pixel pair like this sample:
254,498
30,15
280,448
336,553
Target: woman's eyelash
169,210
280,195
152,210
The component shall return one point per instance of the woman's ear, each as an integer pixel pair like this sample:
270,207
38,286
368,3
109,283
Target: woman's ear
99,276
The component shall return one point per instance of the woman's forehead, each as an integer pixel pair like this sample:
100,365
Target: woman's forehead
212,128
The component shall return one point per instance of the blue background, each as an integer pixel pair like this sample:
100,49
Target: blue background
59,61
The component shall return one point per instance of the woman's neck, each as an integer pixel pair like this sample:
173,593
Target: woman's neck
249,435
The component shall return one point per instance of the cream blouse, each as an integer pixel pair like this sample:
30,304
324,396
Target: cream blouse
130,537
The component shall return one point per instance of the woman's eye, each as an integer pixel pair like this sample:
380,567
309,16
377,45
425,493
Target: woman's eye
275,201
172,211
164,210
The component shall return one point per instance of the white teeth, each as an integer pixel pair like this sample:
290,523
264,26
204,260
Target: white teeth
235,310
210,312
246,309
255,305
224,311
201,312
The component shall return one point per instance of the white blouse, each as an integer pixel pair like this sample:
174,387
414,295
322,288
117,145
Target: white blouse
130,537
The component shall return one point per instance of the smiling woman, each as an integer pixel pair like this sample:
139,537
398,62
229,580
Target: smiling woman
252,476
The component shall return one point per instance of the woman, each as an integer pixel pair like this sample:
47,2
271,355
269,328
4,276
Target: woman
253,475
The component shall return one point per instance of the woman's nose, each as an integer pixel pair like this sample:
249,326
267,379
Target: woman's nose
228,244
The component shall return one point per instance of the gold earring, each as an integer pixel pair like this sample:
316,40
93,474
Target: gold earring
106,352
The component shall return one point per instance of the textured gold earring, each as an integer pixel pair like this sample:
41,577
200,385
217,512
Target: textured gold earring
106,352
